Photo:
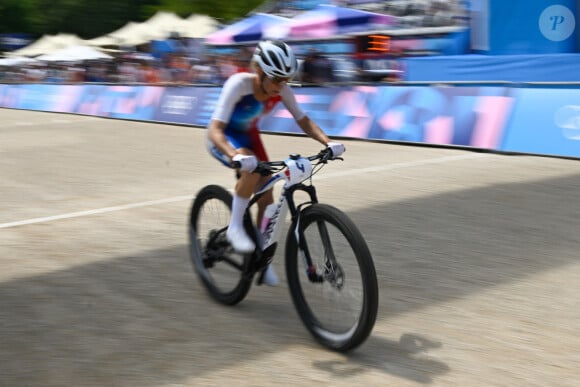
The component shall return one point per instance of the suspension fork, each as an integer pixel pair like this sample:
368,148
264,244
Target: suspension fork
323,230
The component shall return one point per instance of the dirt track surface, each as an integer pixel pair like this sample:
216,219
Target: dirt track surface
476,254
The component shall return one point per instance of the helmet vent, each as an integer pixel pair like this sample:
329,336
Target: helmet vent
275,61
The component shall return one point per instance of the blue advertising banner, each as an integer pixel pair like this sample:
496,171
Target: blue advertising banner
545,121
465,116
29,97
126,102
187,105
527,120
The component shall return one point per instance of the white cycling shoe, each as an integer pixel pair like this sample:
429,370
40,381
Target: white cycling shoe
239,240
270,277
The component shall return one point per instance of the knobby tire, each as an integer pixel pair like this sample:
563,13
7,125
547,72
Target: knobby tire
332,216
220,196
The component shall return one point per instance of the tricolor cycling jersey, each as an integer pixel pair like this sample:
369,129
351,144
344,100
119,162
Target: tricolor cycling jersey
241,111
238,107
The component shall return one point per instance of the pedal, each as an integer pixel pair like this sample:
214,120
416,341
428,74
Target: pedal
260,279
262,263
264,260
270,251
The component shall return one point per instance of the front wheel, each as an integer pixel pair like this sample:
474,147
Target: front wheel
331,277
222,270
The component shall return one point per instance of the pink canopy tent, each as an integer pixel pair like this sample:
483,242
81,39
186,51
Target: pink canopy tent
326,21
250,29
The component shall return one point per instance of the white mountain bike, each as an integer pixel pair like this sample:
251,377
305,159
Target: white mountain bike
329,268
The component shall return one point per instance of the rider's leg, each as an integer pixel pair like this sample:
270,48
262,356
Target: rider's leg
266,199
243,191
270,276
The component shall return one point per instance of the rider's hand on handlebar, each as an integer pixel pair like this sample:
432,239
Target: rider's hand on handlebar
336,148
246,163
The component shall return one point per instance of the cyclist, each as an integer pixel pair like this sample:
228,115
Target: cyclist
233,133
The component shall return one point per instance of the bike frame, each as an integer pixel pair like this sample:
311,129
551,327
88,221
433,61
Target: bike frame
285,202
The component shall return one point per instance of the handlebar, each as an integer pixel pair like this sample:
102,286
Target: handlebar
265,168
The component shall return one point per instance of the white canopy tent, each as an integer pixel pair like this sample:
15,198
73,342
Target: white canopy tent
74,54
102,41
199,26
132,34
161,26
16,61
46,44
165,24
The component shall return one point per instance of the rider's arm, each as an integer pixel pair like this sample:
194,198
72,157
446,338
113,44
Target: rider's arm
230,95
313,130
306,124
216,135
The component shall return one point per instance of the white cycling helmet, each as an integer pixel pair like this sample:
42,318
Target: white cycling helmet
276,59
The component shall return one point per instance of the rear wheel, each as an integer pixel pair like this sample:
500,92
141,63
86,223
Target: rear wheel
332,278
220,268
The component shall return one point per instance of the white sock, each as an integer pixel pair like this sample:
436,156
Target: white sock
239,206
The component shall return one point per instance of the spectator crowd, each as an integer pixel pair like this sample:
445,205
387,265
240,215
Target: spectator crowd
127,69
173,69
184,68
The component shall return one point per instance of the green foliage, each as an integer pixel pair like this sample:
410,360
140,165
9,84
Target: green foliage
90,18
226,10
15,15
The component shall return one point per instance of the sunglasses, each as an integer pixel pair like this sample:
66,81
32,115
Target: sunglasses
278,80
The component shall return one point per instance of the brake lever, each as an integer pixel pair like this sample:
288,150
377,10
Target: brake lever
264,170
326,154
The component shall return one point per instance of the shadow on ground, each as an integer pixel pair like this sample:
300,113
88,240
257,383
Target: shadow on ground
144,320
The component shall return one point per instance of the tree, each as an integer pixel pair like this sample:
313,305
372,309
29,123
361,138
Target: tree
224,9
15,16
90,18
86,18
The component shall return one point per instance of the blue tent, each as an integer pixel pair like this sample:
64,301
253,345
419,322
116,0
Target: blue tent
161,47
